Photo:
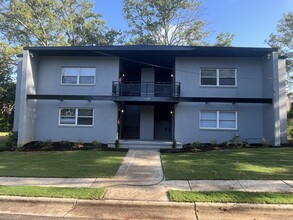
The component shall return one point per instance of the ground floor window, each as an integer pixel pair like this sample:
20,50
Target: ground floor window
76,116
218,119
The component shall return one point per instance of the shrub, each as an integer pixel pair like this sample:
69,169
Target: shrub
290,112
196,146
117,144
224,144
46,145
12,140
246,144
265,142
78,145
96,144
214,143
290,132
174,144
236,142
66,143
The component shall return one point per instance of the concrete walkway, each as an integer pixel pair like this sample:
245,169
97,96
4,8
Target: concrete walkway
140,178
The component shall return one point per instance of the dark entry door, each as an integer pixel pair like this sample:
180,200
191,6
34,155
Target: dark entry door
163,122
162,130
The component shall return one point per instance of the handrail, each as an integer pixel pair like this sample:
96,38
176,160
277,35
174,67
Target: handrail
146,89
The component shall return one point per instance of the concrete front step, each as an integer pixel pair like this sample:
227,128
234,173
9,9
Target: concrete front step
145,144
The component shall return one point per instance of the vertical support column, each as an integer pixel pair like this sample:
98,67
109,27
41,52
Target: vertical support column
17,95
147,112
282,100
27,108
276,99
147,82
147,122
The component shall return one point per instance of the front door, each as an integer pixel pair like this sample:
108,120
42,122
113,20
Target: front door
163,130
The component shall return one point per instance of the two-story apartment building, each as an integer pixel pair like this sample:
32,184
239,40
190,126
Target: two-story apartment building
185,93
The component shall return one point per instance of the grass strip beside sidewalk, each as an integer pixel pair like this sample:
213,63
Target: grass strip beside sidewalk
232,197
54,192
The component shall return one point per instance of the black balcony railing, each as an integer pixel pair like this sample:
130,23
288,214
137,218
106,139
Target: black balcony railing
146,89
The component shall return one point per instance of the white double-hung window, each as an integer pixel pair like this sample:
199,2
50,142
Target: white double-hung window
76,116
218,77
218,120
78,75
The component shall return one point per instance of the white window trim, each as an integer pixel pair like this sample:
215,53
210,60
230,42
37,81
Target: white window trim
218,78
76,117
218,120
78,75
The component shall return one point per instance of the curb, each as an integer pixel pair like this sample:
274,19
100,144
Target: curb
74,202
96,209
231,206
122,209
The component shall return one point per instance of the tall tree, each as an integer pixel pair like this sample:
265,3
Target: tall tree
283,40
7,85
165,22
83,26
225,39
53,22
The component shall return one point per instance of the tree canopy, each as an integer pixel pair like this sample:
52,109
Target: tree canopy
283,40
53,23
172,22
169,22
224,39
7,85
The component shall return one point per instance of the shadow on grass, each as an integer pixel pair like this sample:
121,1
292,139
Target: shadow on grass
260,163
61,164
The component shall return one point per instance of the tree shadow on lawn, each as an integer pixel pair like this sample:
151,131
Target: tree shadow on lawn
265,163
61,164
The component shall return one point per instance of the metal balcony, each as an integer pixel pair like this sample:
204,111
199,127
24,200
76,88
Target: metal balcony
146,89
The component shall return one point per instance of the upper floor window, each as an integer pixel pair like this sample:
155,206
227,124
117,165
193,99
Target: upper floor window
76,116
78,75
218,120
217,77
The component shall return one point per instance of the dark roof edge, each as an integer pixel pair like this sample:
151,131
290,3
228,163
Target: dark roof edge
145,47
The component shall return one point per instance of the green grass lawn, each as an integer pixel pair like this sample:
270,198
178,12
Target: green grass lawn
253,163
56,192
233,197
61,164
3,138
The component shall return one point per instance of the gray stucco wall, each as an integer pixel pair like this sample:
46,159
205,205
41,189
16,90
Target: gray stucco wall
249,85
249,77
39,119
107,70
104,128
105,113
187,115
